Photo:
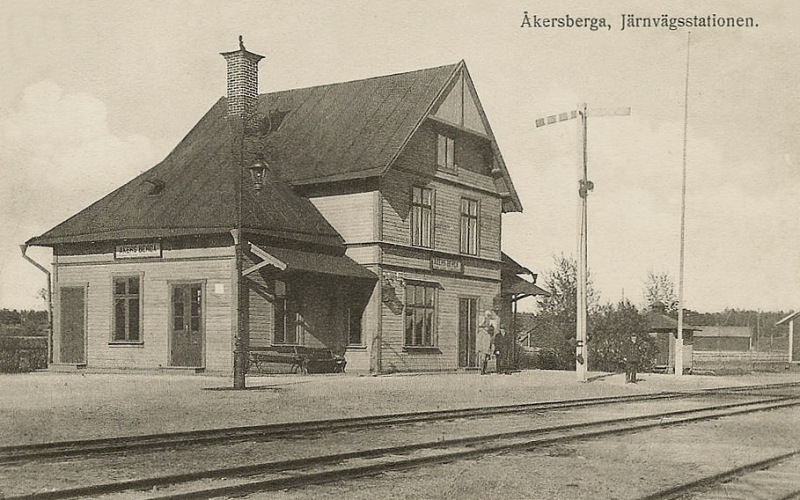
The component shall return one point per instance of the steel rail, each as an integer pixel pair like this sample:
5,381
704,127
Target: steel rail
83,448
618,426
713,480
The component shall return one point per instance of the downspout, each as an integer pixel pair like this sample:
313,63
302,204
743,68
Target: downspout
24,249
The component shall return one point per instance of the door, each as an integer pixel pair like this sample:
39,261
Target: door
186,346
72,348
467,331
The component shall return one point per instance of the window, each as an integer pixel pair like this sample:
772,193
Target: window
446,153
469,226
355,336
421,216
286,316
126,309
420,312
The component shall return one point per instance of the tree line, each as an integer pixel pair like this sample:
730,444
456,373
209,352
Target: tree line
552,329
25,322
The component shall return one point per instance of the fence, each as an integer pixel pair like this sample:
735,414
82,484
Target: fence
738,361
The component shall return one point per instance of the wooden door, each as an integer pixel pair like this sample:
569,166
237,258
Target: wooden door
467,331
186,346
72,348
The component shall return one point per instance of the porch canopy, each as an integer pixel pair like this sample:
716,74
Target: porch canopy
292,259
519,288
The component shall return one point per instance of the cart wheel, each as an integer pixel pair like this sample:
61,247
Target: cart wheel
296,368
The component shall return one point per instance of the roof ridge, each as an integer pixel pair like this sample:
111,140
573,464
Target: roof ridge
355,80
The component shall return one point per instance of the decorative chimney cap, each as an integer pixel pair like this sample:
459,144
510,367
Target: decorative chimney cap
242,52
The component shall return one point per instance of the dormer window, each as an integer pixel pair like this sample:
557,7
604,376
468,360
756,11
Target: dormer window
446,153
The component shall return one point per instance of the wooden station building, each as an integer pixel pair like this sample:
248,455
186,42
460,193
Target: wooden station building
372,228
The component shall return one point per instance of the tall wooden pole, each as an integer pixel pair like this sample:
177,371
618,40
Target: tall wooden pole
679,339
240,341
581,351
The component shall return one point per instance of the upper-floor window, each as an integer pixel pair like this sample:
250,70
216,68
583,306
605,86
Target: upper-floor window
421,216
469,226
126,309
446,153
420,314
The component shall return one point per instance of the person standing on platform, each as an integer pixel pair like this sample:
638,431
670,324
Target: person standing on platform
502,351
631,359
483,342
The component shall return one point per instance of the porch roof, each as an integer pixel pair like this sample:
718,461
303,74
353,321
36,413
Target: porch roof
514,285
291,259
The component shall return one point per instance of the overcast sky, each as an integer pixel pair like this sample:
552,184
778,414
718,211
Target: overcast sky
95,92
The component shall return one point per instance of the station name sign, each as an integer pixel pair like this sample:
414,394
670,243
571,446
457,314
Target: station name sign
445,264
138,251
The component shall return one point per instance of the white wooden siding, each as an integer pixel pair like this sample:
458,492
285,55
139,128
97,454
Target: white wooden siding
350,214
155,303
445,357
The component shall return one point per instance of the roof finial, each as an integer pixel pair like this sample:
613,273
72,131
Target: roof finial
241,43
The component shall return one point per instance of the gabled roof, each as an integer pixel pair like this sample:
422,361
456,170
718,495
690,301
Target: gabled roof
193,191
356,129
327,133
349,130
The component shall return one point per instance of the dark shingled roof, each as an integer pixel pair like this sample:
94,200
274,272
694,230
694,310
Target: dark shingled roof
197,195
352,129
342,131
657,322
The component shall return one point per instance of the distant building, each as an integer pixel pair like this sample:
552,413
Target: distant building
794,347
664,329
724,338
375,232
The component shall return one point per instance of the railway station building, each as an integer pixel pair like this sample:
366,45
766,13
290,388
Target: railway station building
367,215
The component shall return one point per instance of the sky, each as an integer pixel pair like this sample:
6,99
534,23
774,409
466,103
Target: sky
94,92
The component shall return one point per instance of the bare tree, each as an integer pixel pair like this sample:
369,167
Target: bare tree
659,288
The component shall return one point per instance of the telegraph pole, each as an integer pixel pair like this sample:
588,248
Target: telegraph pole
679,339
584,187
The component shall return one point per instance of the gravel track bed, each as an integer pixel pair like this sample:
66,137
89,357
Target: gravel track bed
76,471
615,468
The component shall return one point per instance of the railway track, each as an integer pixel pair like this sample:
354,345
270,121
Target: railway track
126,444
776,478
276,475
268,432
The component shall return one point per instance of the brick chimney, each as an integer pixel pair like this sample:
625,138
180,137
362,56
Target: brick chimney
242,80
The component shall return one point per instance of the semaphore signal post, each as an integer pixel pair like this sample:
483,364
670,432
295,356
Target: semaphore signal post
584,187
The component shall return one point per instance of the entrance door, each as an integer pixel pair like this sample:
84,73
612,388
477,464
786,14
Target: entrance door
72,348
467,331
186,347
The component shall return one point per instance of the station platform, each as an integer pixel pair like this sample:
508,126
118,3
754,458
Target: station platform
50,406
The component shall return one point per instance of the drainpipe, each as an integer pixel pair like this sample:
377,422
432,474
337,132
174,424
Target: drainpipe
24,249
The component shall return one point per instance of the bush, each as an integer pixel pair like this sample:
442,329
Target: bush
546,358
22,354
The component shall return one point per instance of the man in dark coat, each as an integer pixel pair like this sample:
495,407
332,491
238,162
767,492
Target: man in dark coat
631,359
502,351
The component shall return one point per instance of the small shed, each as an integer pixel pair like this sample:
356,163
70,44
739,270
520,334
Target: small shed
664,329
724,338
794,348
